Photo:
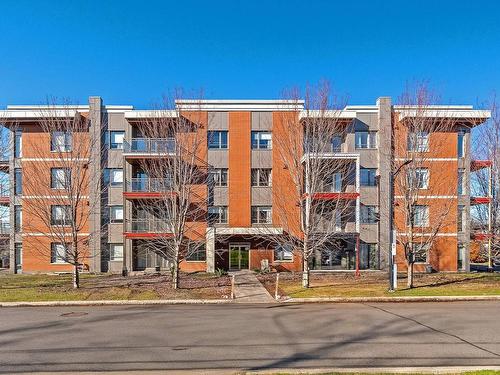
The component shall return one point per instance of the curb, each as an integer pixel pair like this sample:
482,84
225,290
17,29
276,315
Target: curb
376,370
392,299
117,303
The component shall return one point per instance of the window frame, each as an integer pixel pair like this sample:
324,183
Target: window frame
108,180
256,139
374,170
201,249
66,182
219,177
115,145
54,254
371,140
368,214
111,209
416,207
256,212
420,244
112,256
68,141
18,181
222,213
220,142
418,141
282,249
255,177
65,221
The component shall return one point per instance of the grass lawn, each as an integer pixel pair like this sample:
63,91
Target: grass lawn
111,287
375,285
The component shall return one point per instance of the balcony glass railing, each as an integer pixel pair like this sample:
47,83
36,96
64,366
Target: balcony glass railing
149,146
4,228
149,226
148,185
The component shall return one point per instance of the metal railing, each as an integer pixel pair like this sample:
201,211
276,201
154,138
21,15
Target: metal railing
149,226
148,185
149,145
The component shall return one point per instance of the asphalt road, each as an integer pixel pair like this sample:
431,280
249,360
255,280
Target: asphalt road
251,337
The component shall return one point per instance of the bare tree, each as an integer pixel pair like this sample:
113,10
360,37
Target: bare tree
57,180
485,183
420,138
314,184
176,172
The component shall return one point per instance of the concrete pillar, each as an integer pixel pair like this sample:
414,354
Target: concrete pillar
385,169
95,243
210,248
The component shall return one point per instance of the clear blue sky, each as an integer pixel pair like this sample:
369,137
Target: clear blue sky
131,52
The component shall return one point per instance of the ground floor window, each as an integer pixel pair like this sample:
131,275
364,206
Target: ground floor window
115,251
461,257
283,253
146,255
196,252
58,252
368,256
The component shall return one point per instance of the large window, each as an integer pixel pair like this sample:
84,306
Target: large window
421,252
18,181
368,177
116,140
332,183
60,215
461,143
461,218
261,177
283,253
418,178
261,140
196,252
60,178
58,252
368,214
368,256
421,216
18,144
61,141
366,139
261,215
461,185
219,176
418,141
113,177
116,214
18,217
337,143
217,215
115,251
217,139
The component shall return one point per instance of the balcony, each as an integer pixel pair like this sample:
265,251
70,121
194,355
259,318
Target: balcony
145,187
477,165
150,147
147,228
4,164
479,200
4,194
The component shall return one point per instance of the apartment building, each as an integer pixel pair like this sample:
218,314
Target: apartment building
248,181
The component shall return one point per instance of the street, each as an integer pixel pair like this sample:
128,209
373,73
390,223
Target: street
254,337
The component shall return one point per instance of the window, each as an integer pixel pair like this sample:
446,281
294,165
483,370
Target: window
460,257
116,214
218,176
461,188
418,141
61,141
116,140
18,181
18,218
60,215
368,214
261,140
113,177
283,253
58,252
421,216
217,215
368,256
196,252
418,178
261,177
367,177
18,144
60,178
337,143
366,139
421,252
461,143
261,215
461,219
217,139
115,251
333,183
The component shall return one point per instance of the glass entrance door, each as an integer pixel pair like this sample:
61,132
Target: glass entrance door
238,257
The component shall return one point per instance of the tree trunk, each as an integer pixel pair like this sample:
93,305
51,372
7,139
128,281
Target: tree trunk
76,277
409,283
305,273
175,276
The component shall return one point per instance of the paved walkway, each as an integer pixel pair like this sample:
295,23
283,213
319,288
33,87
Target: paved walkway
247,289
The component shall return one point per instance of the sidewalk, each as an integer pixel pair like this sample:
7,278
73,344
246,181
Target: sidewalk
247,289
